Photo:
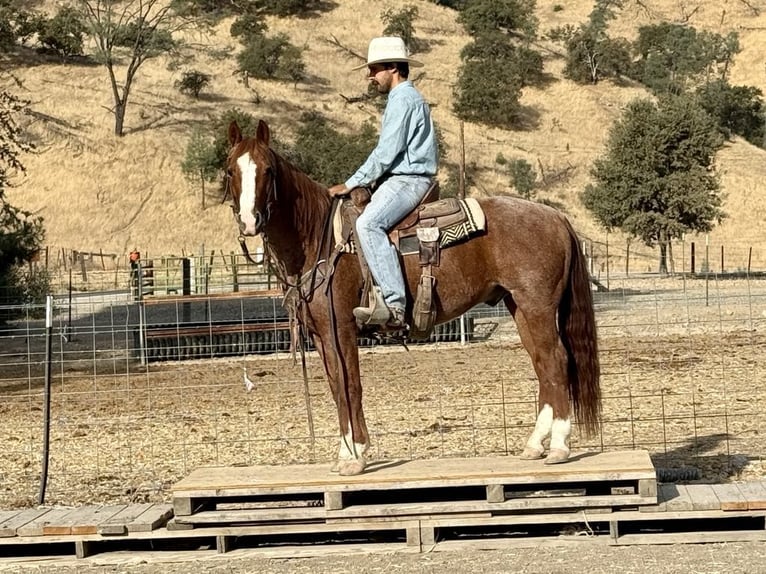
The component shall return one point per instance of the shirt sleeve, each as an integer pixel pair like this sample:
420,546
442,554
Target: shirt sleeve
391,143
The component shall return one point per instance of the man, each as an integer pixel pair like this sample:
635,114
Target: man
402,164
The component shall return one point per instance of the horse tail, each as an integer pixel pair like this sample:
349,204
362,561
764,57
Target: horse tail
577,327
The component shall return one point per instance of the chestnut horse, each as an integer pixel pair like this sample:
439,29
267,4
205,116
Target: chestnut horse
529,257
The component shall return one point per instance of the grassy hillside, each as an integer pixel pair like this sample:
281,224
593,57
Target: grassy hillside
98,192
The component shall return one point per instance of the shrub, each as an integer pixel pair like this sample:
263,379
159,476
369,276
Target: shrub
63,34
192,83
271,58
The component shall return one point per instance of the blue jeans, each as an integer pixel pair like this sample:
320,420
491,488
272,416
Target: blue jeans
394,199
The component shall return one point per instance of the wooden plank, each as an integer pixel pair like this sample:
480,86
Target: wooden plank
118,523
36,526
210,482
754,493
83,518
692,537
730,496
88,521
254,515
703,497
152,518
173,525
676,497
8,515
18,519
164,300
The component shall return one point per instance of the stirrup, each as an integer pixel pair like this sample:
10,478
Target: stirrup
377,313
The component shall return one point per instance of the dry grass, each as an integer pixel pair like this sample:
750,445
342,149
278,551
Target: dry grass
99,192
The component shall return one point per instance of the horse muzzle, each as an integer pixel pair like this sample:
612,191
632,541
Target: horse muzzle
252,224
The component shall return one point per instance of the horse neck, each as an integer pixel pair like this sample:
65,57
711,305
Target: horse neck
298,222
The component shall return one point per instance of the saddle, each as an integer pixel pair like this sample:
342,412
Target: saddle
433,225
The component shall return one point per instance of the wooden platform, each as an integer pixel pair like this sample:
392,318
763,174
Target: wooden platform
451,485
411,506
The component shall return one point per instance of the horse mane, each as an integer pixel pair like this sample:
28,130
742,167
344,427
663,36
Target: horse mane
309,199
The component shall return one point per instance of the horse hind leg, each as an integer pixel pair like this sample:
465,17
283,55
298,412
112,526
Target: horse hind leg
539,335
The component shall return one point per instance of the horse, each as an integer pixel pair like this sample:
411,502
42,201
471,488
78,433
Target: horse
528,257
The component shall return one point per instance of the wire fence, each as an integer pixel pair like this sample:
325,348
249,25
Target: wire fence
146,387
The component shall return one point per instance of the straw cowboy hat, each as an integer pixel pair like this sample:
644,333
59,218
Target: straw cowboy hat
388,49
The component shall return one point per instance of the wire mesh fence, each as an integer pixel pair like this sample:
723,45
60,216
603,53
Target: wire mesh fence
145,389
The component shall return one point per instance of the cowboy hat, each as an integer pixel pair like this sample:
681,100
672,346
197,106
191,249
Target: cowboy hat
387,49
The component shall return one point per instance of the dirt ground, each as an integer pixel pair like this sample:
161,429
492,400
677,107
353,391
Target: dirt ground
729,558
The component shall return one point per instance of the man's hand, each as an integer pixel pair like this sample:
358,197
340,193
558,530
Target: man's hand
337,190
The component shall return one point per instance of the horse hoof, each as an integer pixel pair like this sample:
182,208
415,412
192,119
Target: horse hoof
532,453
352,467
556,456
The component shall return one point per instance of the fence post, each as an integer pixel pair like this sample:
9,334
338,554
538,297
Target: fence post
234,272
722,265
692,262
81,257
186,288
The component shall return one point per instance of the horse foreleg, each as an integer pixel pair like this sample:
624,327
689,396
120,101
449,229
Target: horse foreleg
540,338
341,364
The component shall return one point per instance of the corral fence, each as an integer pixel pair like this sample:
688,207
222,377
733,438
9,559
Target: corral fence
681,364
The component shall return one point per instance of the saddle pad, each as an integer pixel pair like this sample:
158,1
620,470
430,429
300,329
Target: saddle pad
474,221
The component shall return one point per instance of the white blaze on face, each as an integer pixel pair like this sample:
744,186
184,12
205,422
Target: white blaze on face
247,169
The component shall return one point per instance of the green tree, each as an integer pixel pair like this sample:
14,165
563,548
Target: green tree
591,53
21,234
489,83
201,163
400,23
673,58
739,110
18,23
271,58
63,34
513,17
655,181
327,155
126,34
205,156
522,174
247,26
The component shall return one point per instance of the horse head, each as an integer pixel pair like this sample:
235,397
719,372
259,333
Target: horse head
250,170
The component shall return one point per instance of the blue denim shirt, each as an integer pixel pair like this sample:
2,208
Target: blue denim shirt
407,143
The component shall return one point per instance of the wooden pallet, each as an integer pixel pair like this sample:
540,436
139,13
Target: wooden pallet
60,524
413,488
419,496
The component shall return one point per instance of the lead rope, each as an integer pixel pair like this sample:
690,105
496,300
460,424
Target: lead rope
306,393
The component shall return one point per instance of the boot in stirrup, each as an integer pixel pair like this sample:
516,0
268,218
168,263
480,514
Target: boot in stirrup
378,314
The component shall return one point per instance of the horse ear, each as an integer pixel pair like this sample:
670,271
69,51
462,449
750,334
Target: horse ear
263,132
235,134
